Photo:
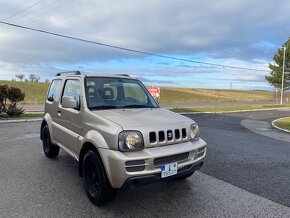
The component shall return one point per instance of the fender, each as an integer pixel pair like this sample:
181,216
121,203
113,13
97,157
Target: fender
95,138
48,120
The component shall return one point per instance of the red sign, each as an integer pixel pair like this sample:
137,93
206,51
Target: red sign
154,91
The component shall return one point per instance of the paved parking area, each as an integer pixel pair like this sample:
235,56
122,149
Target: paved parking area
227,186
255,158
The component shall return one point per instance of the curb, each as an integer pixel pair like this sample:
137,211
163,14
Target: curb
224,112
21,120
276,127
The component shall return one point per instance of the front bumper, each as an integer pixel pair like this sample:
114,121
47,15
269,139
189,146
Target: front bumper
142,180
146,166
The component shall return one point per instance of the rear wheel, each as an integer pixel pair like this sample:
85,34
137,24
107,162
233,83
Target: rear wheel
50,150
97,186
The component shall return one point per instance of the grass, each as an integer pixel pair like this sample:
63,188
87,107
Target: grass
212,95
283,123
226,108
24,116
34,92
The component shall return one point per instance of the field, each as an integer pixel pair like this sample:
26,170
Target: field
35,94
212,95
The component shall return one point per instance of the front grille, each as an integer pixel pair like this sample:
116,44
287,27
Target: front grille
200,152
135,165
135,162
170,159
152,137
183,131
168,135
177,134
161,136
135,169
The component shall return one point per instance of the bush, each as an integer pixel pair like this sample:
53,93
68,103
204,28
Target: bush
9,97
3,96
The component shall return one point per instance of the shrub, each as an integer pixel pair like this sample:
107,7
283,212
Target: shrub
3,97
9,97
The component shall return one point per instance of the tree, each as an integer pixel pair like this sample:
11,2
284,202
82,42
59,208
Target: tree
9,97
32,77
275,77
37,79
20,76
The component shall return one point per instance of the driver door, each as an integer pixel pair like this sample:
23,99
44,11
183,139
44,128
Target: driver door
69,119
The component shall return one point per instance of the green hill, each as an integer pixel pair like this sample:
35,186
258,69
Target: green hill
169,94
35,94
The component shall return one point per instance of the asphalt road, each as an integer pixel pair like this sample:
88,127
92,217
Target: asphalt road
255,162
246,174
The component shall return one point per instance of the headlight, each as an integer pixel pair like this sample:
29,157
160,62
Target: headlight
131,141
194,132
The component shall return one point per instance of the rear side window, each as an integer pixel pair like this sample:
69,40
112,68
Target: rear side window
54,90
72,88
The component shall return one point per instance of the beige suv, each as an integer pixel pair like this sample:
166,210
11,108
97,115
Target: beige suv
116,131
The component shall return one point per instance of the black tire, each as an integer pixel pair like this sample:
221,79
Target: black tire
97,186
185,176
50,150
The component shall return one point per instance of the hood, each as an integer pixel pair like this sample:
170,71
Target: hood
137,119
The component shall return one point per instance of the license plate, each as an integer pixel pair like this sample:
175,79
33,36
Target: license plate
168,170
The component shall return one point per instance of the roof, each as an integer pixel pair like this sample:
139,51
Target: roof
79,74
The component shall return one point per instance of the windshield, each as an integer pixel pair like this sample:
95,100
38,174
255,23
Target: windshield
113,93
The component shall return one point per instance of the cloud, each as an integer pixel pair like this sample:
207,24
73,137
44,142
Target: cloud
242,33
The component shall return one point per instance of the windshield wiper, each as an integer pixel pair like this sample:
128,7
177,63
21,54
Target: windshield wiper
103,107
137,106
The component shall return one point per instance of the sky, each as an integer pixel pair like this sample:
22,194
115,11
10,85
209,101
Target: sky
242,33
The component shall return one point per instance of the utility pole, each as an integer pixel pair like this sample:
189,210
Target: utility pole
282,85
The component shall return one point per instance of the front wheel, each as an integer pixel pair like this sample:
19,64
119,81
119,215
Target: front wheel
50,150
97,186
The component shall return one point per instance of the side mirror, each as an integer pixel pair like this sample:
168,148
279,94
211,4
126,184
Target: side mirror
69,102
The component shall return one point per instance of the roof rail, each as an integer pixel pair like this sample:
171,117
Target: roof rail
69,72
122,75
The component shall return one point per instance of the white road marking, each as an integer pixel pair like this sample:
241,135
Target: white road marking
264,128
